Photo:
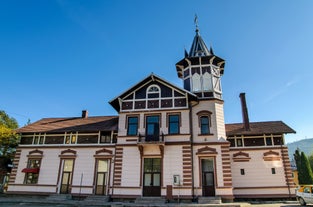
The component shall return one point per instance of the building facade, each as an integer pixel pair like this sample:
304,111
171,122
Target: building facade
166,141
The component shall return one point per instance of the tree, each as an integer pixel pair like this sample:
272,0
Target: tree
311,161
8,137
297,157
305,175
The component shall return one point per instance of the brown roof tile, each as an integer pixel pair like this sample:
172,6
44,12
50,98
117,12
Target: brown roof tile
258,128
90,124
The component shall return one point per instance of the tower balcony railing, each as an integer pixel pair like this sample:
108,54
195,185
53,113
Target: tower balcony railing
145,138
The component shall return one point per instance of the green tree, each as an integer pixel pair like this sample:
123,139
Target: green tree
297,158
8,137
310,158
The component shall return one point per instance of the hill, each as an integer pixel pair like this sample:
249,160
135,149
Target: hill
305,145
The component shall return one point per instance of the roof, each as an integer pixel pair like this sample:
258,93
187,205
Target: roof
198,47
115,102
258,128
72,124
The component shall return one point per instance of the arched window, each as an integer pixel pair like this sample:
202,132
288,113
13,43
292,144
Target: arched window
196,84
207,82
204,122
153,91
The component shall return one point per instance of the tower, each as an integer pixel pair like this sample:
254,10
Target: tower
201,70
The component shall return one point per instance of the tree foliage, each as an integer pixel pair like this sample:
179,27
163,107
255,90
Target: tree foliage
311,161
305,175
8,138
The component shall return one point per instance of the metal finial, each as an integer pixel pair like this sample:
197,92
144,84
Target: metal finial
196,22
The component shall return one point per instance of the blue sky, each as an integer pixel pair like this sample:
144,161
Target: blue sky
60,57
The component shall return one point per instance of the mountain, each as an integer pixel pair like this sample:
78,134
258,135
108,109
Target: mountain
305,145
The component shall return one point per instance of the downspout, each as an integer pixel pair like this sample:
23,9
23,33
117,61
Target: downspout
191,140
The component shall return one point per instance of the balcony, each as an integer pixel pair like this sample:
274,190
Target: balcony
151,139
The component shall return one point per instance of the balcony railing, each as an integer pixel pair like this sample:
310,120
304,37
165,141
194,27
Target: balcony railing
150,138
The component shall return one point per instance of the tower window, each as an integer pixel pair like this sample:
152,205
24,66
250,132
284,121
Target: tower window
196,84
204,122
204,125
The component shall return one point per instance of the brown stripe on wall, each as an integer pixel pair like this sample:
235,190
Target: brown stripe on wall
16,160
186,151
118,166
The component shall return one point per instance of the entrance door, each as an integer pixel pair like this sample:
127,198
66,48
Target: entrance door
101,177
208,187
66,181
152,177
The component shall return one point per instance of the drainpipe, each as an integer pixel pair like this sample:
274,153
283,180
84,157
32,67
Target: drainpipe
191,140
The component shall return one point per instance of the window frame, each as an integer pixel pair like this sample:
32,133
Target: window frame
128,124
205,114
178,123
32,178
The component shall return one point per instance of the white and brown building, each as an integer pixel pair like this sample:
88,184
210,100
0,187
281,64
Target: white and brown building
166,141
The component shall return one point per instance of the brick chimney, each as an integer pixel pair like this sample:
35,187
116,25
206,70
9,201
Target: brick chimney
245,115
84,114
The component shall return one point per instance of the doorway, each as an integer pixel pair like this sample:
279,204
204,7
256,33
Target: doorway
66,180
208,184
101,177
152,177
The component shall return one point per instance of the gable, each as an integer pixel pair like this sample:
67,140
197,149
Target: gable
152,93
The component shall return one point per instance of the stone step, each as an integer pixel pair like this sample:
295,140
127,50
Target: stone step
59,197
101,198
209,200
150,200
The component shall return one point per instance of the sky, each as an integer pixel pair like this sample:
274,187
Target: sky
59,57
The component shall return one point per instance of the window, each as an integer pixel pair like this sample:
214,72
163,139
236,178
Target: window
173,124
204,122
38,139
273,171
242,171
268,141
70,138
239,142
205,125
153,91
32,171
66,180
105,138
132,127
152,128
196,84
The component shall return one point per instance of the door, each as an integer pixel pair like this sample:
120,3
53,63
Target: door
101,177
208,187
152,177
152,128
66,180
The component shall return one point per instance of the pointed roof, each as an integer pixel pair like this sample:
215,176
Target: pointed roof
198,47
116,101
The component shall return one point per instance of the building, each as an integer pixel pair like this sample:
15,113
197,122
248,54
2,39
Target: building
166,141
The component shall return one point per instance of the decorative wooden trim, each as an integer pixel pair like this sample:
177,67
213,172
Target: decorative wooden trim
241,157
206,151
271,153
35,151
68,151
103,151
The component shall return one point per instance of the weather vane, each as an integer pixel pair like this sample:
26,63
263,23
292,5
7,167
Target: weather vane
196,22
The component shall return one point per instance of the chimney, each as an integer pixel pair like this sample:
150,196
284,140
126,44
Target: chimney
84,114
245,115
